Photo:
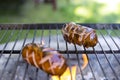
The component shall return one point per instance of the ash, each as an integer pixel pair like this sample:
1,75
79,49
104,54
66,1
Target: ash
107,68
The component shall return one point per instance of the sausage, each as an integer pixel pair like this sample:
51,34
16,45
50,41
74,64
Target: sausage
47,59
80,35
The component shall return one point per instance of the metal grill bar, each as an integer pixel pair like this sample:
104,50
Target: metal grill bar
3,35
68,56
70,51
49,45
77,54
43,28
113,40
110,47
90,66
111,51
117,36
14,72
57,38
107,58
7,42
53,26
36,70
109,63
10,53
27,65
42,39
99,63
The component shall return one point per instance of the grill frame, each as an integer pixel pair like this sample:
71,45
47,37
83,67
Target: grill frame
58,26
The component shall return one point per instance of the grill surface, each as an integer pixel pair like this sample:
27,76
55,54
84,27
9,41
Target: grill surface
104,62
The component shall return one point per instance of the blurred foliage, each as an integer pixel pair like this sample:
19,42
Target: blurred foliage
82,11
10,6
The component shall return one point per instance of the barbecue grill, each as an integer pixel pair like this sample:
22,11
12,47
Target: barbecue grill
104,62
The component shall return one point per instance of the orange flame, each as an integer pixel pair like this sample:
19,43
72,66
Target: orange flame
55,78
74,70
85,61
71,74
67,75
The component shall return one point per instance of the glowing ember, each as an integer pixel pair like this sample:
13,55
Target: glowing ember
67,75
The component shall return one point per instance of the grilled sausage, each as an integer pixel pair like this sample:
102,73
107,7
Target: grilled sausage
46,59
80,35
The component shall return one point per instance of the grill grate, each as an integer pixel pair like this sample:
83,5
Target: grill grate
103,63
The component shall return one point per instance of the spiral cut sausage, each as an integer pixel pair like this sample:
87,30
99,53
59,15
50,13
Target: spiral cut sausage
80,35
46,59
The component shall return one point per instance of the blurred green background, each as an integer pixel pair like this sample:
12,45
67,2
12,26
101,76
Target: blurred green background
81,11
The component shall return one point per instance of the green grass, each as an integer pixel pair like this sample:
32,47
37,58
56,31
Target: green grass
82,11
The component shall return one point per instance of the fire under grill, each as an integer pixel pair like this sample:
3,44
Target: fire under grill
104,58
